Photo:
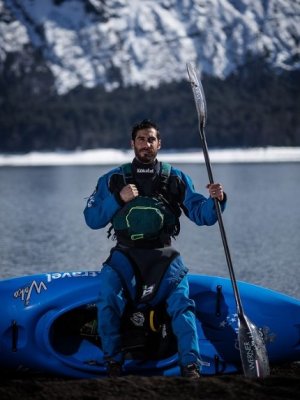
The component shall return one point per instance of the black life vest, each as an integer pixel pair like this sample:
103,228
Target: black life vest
148,218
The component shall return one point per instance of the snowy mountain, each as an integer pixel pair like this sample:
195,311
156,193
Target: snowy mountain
146,42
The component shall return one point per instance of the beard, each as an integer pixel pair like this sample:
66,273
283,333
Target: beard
145,156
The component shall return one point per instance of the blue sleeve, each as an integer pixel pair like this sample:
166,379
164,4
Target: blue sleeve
198,208
101,205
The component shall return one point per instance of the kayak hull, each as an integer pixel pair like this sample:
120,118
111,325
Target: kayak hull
38,330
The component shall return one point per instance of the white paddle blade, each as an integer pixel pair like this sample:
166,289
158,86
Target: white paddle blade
198,93
253,351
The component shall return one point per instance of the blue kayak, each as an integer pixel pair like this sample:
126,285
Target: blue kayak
49,325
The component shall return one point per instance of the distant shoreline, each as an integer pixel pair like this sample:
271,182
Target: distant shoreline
116,157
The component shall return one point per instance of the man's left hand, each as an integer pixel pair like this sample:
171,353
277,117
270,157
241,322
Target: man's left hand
216,191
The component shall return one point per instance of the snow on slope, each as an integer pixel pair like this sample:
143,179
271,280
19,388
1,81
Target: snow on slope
147,42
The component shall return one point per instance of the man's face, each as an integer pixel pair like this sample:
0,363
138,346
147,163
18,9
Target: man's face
146,145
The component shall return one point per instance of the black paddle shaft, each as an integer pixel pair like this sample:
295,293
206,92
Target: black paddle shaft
220,221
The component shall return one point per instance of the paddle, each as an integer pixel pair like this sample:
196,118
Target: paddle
251,344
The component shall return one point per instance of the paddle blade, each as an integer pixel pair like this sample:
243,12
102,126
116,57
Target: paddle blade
198,93
253,351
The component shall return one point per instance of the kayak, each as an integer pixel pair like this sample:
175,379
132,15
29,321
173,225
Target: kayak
49,325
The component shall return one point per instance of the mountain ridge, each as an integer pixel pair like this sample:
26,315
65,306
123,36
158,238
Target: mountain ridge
128,43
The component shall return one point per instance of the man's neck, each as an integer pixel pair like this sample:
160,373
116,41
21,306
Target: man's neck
148,164
145,170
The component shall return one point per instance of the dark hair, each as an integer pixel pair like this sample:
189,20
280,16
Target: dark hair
145,124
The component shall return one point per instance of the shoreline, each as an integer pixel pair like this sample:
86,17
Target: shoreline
283,383
108,156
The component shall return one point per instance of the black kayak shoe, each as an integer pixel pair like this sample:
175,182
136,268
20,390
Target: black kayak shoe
190,371
114,369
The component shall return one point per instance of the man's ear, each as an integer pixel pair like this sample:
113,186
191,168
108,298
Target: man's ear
132,144
159,144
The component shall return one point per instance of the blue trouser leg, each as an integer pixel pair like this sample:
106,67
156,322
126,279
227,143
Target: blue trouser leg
111,305
181,309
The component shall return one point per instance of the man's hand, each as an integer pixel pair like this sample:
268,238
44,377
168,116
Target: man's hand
128,193
216,191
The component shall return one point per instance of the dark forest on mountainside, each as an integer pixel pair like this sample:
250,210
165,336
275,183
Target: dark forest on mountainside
256,106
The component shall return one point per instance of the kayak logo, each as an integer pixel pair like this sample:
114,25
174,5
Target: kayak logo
231,320
25,293
138,318
267,335
77,274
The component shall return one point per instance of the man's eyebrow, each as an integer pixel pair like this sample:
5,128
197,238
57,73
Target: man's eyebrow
146,136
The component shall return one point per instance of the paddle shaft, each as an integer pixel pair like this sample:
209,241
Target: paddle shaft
220,221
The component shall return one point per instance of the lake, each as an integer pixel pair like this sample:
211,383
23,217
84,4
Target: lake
43,229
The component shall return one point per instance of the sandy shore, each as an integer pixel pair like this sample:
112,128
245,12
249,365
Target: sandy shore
284,383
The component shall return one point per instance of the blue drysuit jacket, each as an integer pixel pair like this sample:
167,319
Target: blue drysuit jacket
103,204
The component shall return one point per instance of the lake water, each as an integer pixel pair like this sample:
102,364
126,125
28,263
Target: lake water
43,229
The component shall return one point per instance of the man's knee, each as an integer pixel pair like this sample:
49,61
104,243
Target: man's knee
111,285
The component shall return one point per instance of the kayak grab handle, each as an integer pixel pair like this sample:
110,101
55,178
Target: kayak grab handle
217,364
218,303
15,335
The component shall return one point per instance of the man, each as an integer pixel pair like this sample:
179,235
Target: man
143,201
